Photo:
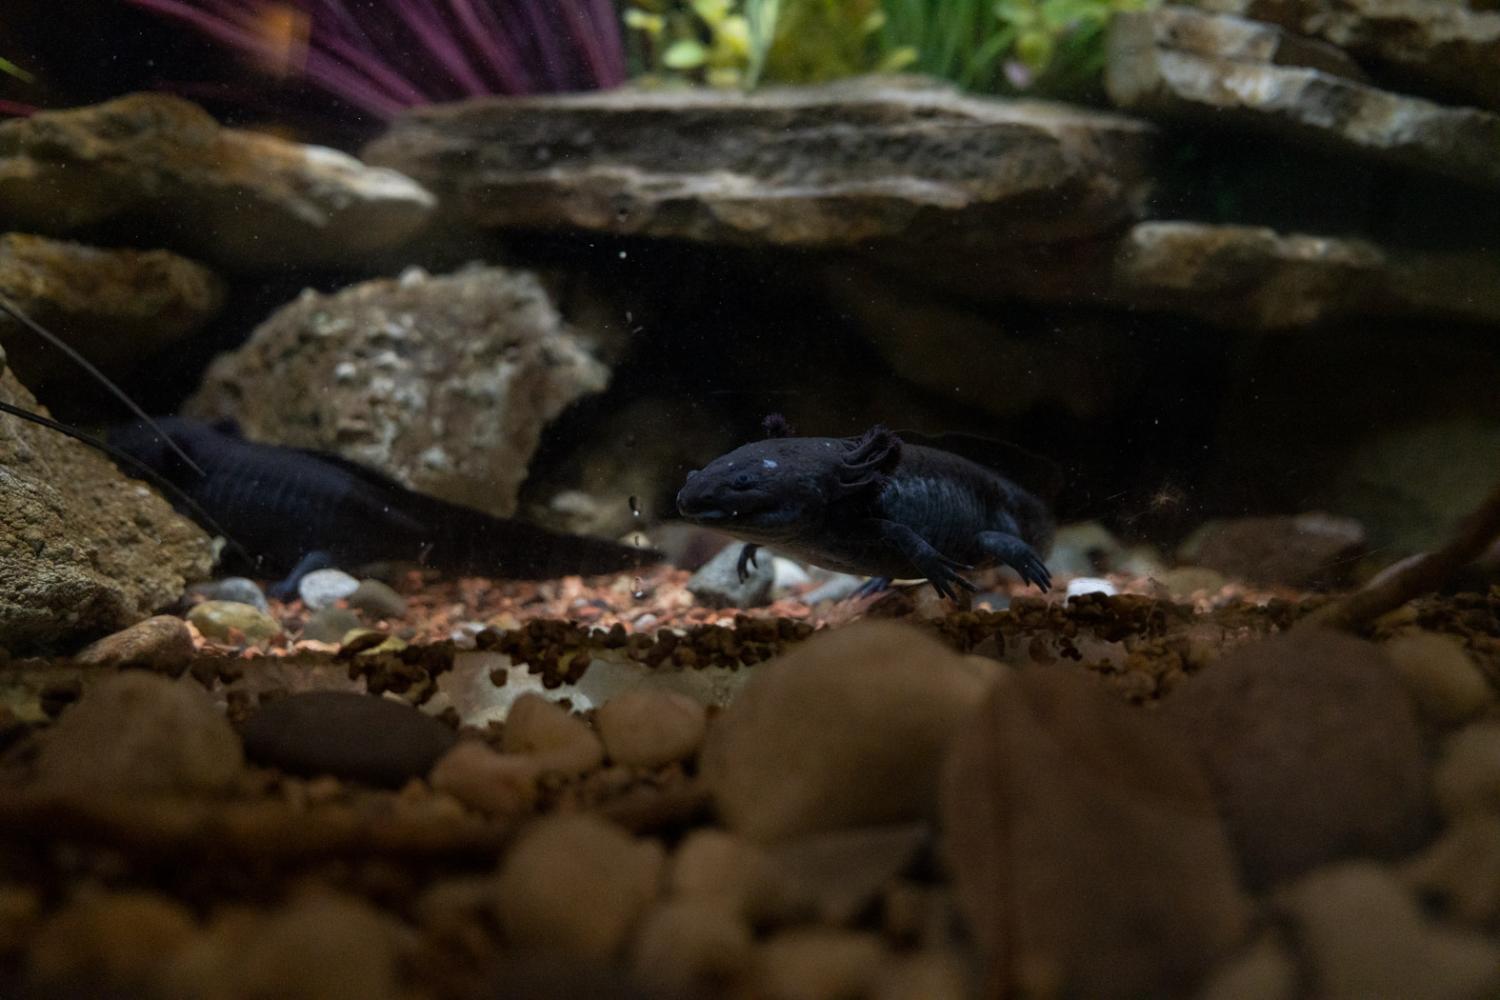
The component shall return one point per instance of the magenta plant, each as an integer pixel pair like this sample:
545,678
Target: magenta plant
385,55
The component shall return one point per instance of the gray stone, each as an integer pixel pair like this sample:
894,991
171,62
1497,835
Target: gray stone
444,383
232,588
717,583
379,599
323,588
115,307
865,712
1313,550
330,624
164,167
1087,852
1180,64
346,734
83,550
1439,50
1365,936
1312,749
137,732
835,166
230,622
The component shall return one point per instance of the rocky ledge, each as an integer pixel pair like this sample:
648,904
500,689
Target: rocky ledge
829,166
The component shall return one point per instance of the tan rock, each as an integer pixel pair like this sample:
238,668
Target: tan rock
1312,749
122,939
166,168
443,382
1364,936
649,728
848,729
817,964
692,945
162,643
83,550
1087,852
1467,779
729,870
576,885
231,622
135,733
1462,869
548,733
1441,677
493,783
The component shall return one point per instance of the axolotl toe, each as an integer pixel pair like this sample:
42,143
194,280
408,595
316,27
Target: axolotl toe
873,505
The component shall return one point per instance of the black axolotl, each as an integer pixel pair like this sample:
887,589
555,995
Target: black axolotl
294,510
872,505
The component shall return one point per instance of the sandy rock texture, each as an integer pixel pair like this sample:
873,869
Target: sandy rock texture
161,170
83,550
443,382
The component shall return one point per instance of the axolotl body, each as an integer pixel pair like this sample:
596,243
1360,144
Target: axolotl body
872,505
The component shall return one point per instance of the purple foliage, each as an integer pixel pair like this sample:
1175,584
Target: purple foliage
386,55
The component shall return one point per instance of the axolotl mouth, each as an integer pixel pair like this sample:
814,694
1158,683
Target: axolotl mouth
736,502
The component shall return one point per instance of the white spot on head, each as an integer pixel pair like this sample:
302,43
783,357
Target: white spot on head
768,463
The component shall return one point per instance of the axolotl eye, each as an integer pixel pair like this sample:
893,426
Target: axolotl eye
743,481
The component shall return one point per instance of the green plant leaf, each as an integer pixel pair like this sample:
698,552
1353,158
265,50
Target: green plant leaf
6,66
684,54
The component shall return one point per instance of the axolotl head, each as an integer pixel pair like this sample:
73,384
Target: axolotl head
765,492
781,488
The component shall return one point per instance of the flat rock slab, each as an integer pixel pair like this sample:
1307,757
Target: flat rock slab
442,382
346,734
159,167
1180,64
83,550
115,307
1434,48
829,166
1244,277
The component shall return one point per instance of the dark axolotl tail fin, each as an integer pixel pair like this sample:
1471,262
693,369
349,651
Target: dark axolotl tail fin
468,540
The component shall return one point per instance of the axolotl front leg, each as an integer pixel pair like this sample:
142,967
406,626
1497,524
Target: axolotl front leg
1016,554
746,560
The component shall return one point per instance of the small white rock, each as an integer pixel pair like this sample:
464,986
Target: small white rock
546,732
323,588
693,947
493,783
1090,585
1467,779
1440,676
649,728
787,574
576,885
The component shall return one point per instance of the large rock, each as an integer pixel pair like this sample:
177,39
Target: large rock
444,383
115,307
1242,277
848,729
1438,49
1182,64
1312,550
830,166
83,550
1087,852
159,169
1312,750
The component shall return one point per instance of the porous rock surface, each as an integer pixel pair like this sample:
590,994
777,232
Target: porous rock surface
157,167
833,166
442,382
1182,64
115,307
1441,50
83,550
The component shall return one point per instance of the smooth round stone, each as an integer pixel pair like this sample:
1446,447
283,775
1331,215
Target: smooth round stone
323,588
1091,585
232,588
330,624
346,734
378,599
218,621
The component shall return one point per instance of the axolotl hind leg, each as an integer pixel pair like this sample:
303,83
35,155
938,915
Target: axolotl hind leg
1016,554
939,570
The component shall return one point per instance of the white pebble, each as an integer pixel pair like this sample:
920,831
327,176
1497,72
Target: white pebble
1440,676
324,588
649,728
1090,585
